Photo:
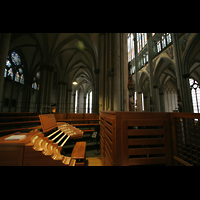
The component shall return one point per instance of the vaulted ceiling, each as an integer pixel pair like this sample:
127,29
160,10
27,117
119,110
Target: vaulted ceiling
71,55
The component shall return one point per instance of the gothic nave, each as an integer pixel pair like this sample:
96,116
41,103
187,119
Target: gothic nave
88,73
156,72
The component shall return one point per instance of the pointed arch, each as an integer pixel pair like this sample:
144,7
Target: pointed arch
186,61
161,66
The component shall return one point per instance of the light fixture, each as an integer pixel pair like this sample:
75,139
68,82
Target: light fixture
75,82
52,108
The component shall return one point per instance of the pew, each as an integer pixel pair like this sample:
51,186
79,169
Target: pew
77,117
12,122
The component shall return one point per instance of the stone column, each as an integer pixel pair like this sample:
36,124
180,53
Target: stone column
136,70
42,91
156,96
101,73
84,104
95,93
68,106
124,72
187,100
4,48
62,96
162,102
183,95
150,55
74,98
50,85
59,97
109,102
117,71
46,87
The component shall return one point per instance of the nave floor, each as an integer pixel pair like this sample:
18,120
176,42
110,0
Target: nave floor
93,161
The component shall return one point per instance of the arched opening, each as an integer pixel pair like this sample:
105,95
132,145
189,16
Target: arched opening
165,87
143,98
190,71
170,96
89,102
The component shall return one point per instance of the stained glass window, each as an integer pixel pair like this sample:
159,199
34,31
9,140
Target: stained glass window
158,46
138,43
169,39
145,38
130,45
22,79
140,38
132,70
16,59
163,41
8,63
141,41
5,72
14,68
10,73
195,92
34,86
38,74
36,81
17,77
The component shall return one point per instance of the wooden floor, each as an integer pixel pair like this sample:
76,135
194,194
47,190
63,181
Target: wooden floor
94,161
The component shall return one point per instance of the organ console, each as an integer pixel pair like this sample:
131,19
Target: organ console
52,144
47,145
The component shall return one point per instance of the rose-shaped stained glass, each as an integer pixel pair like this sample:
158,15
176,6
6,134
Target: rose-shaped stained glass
16,58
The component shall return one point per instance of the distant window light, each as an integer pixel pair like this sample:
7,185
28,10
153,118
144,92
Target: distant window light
36,80
195,93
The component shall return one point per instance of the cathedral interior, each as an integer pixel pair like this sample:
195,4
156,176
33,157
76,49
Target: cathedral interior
91,72
121,81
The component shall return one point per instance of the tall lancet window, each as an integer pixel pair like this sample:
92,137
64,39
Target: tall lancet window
131,48
195,92
91,102
36,81
76,101
141,41
86,107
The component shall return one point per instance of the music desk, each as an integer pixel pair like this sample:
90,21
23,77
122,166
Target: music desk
12,151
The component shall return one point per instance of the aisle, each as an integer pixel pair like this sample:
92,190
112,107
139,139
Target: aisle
93,161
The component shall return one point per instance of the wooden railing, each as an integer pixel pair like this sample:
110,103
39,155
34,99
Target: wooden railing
146,142
107,139
144,138
186,138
